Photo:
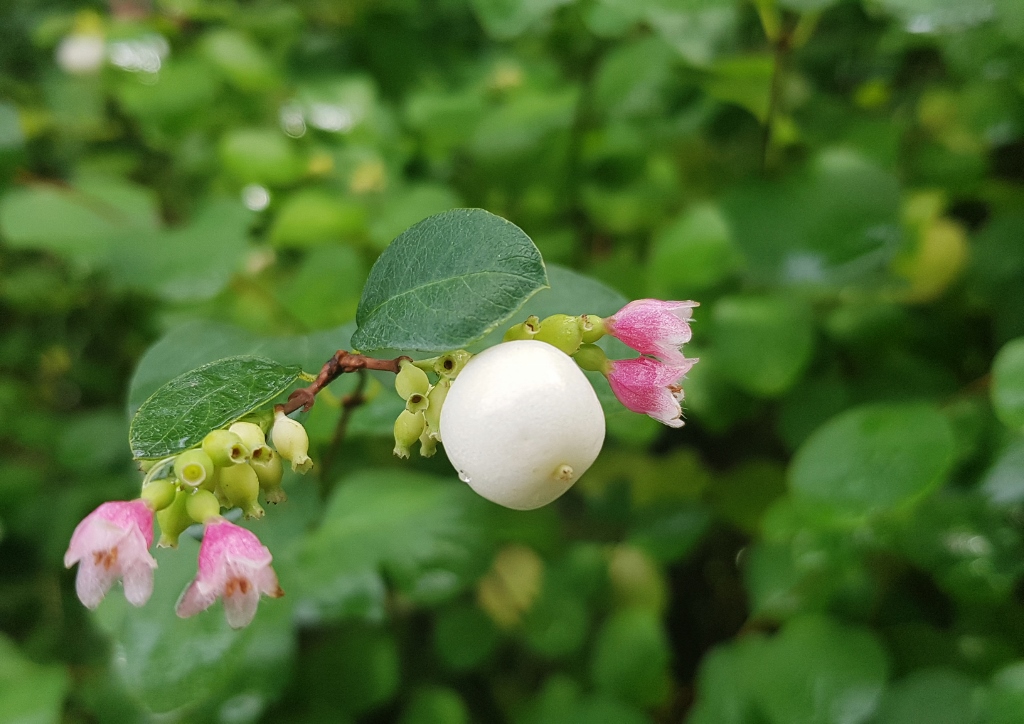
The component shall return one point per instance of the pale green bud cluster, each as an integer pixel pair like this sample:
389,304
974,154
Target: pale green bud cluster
229,469
420,420
561,331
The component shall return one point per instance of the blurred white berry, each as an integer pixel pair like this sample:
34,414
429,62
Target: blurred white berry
521,424
81,53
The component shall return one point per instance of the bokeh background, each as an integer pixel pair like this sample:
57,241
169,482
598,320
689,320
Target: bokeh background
834,536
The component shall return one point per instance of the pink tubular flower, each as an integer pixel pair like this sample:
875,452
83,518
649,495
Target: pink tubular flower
654,327
650,387
113,542
233,564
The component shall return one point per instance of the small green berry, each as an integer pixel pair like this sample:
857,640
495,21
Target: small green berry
592,327
410,380
202,505
432,415
450,364
562,332
173,520
270,470
408,428
159,494
193,467
241,487
591,357
526,330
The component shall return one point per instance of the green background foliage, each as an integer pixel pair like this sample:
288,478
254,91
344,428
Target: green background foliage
834,536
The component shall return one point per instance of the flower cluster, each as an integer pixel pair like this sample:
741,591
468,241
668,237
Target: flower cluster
229,469
649,384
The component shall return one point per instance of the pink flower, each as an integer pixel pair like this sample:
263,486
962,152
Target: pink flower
233,564
654,327
113,542
650,387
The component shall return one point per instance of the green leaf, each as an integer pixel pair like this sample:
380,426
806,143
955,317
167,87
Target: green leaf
181,413
77,221
745,81
1007,694
256,155
933,696
817,671
724,693
435,705
874,458
31,693
464,637
428,534
1008,384
1003,484
504,19
410,206
631,658
694,252
763,344
313,217
446,282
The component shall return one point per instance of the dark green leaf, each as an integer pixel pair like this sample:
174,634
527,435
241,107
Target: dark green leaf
932,696
181,413
874,457
446,282
31,693
631,657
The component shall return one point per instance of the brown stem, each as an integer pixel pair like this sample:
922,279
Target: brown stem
349,403
336,366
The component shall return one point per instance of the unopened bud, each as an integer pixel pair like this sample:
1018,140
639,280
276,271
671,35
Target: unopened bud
432,415
526,330
408,428
173,520
562,332
159,494
193,467
225,448
410,380
290,440
591,357
202,505
252,437
269,470
450,364
591,327
428,444
241,487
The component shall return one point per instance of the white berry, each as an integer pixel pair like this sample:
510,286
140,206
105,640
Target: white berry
521,424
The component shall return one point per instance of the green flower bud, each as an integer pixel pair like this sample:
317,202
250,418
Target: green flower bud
526,330
432,415
250,434
202,505
225,448
410,380
591,357
408,428
173,520
193,467
159,494
290,440
241,487
592,327
428,444
269,470
562,332
451,363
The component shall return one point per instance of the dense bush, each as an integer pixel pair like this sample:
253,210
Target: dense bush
834,536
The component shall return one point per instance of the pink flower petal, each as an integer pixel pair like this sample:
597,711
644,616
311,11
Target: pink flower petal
650,387
654,327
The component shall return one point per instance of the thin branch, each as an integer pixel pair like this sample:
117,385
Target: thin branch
349,403
341,363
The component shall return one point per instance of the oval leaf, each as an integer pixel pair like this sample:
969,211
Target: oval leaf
874,457
446,282
180,414
1008,384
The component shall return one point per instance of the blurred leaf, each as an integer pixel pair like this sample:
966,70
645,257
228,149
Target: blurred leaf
1008,384
633,78
435,705
521,124
763,344
695,252
181,413
77,221
818,671
1003,484
724,694
1007,694
243,62
932,696
426,533
464,637
631,658
745,81
874,457
410,206
313,217
325,290
255,155
504,19
435,288
31,693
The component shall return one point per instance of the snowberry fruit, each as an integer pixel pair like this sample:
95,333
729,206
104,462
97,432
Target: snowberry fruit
521,424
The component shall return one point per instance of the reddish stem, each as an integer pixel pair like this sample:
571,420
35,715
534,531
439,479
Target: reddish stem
336,366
